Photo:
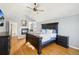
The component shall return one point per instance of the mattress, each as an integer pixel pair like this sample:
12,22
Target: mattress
48,37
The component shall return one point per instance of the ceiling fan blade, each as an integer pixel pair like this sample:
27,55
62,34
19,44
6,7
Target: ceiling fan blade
37,6
35,3
41,10
29,7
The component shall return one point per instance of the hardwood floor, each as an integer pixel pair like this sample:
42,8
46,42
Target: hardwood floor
52,49
16,44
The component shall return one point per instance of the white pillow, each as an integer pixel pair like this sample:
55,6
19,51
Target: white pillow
44,31
51,31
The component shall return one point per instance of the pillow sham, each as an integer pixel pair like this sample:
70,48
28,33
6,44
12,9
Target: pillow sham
51,31
44,31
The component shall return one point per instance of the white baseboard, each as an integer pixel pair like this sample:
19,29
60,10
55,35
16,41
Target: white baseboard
20,37
74,47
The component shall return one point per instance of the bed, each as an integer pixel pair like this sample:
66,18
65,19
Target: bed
42,40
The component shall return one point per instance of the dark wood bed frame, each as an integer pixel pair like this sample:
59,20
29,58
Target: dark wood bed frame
37,41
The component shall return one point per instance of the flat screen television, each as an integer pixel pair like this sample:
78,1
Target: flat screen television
1,18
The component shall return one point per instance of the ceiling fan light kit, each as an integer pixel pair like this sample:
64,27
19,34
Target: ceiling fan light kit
35,8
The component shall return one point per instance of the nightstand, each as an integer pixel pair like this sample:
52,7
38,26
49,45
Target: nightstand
63,41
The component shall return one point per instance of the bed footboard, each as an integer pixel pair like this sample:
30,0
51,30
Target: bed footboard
35,41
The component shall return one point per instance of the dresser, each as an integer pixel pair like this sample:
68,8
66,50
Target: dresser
63,41
4,43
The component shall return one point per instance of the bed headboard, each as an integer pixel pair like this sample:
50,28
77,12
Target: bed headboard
51,26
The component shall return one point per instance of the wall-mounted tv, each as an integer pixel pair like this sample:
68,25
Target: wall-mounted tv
1,18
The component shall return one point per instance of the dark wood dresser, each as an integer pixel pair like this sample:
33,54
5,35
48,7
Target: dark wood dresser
4,43
63,41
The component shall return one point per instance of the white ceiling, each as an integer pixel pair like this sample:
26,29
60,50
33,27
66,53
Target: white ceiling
51,10
55,11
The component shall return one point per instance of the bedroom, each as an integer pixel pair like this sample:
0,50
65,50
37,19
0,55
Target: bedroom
22,17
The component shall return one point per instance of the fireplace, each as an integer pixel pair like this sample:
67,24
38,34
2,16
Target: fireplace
24,31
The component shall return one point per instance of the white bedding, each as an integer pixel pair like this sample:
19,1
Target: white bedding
47,37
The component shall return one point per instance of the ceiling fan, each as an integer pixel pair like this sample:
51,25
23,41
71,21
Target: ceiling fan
35,8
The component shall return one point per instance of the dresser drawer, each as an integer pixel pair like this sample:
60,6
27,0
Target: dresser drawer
63,41
4,45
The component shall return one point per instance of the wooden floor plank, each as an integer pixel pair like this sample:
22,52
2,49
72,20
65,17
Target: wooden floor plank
52,49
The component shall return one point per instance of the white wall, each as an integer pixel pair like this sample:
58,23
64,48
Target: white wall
18,11
14,12
56,10
68,26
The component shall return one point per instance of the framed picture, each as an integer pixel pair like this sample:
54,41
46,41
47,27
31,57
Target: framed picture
24,22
